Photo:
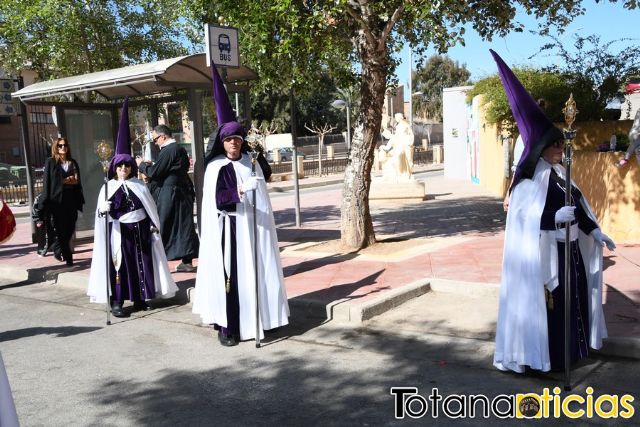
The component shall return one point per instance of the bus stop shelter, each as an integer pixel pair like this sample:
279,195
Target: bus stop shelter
86,124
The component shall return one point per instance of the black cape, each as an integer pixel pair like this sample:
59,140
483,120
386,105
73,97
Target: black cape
173,193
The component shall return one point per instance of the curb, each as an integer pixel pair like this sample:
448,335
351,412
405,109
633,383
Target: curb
472,289
341,311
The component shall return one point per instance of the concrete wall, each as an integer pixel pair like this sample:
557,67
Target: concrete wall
455,126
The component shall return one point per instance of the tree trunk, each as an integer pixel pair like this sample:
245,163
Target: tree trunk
356,223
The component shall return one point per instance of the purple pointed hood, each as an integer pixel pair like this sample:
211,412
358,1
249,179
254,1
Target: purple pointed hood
537,131
224,112
227,123
123,144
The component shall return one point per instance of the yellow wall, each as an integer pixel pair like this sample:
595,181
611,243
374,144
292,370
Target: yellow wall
591,134
491,175
613,193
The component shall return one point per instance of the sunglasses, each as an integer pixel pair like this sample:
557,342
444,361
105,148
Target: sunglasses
156,138
63,145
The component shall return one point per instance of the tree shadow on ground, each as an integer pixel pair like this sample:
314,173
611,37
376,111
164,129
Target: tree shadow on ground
63,331
287,217
441,218
281,386
427,218
288,237
17,284
47,273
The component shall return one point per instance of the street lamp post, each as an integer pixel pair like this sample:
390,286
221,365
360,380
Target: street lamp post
411,87
340,104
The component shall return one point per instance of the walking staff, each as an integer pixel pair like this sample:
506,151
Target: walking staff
104,152
254,157
570,112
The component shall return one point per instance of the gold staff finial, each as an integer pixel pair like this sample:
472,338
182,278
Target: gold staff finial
104,152
570,111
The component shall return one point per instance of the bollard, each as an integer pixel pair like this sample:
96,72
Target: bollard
331,153
437,154
300,166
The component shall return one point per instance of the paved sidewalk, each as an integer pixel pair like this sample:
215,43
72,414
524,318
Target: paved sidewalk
450,244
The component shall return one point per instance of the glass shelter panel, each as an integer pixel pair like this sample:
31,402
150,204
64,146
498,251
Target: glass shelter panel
85,129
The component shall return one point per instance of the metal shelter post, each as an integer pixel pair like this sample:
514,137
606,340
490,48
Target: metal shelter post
194,105
24,138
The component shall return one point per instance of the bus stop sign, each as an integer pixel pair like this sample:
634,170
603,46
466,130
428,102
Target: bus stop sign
222,45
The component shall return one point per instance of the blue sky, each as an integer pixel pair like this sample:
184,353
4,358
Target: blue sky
610,20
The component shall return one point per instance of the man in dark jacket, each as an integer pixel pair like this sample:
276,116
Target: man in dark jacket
173,193
45,234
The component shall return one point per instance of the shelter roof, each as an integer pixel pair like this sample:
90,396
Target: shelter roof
137,80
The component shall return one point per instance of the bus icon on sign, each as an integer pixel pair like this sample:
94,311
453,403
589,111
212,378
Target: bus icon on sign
224,44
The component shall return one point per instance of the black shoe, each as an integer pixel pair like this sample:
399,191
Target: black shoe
141,306
227,340
185,268
58,257
116,310
70,262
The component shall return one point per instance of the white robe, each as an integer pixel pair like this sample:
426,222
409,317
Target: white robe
210,295
8,415
164,284
530,263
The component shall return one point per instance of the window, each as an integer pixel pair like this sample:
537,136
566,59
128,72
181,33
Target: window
42,118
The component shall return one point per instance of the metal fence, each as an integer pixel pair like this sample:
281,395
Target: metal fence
16,191
328,166
420,157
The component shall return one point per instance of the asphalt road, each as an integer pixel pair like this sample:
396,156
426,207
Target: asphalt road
157,368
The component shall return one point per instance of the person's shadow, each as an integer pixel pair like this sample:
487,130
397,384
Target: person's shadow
311,310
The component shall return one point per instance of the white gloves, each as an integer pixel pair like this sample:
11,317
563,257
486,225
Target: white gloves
565,214
250,184
603,239
104,206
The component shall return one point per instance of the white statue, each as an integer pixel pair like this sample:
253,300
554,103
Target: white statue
396,155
